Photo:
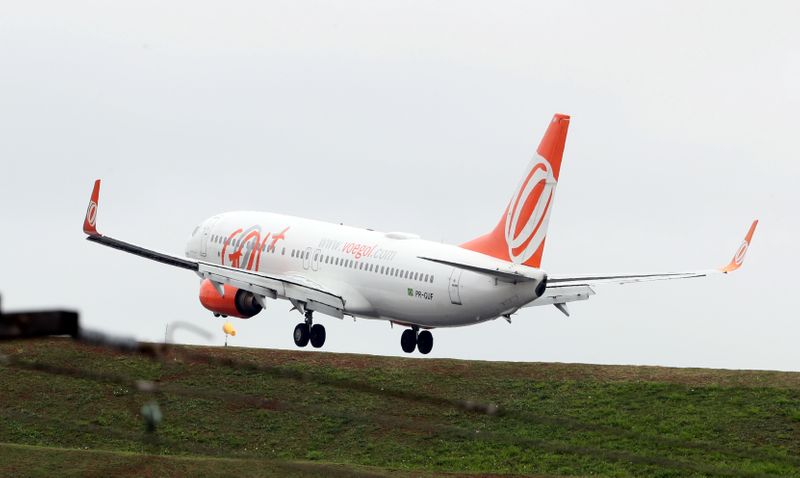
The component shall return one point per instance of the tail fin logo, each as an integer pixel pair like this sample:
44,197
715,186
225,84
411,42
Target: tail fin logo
529,211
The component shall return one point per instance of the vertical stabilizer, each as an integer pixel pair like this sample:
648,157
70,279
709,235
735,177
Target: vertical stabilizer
520,235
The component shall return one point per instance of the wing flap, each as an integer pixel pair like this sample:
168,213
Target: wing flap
293,288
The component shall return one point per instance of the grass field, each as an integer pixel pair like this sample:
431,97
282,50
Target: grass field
70,409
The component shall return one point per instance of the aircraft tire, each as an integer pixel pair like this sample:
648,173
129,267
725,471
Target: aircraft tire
425,342
301,334
317,335
408,341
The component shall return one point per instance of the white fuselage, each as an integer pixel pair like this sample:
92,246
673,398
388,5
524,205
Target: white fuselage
378,275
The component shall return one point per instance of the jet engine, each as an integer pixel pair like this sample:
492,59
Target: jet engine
236,302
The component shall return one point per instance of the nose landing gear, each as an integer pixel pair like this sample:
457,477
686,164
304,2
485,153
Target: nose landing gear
414,339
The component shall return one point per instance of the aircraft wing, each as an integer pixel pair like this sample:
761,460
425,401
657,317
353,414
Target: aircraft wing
569,288
312,296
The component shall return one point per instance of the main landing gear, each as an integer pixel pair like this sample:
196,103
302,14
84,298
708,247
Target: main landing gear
305,332
414,339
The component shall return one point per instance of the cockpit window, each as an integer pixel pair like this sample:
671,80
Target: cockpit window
195,230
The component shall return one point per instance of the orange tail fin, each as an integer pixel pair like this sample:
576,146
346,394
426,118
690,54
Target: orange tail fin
519,236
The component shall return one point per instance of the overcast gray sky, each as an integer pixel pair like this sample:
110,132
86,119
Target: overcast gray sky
414,116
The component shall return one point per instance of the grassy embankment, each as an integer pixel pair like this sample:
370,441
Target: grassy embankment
279,413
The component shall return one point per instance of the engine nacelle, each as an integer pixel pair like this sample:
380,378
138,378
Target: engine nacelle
236,303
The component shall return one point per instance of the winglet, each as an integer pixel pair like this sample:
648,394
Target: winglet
90,222
738,258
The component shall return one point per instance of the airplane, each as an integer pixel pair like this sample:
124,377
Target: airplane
246,257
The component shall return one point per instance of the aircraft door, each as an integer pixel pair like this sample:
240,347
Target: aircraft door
455,279
308,259
315,259
206,234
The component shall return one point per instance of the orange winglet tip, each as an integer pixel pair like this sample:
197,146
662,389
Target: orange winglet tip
738,258
90,221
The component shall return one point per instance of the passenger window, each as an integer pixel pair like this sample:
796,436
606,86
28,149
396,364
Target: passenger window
283,251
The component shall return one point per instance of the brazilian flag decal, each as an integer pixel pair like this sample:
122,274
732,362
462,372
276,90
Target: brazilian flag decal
410,292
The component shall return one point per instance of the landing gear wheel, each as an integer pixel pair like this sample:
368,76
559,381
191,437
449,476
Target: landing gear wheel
408,341
425,342
317,335
301,335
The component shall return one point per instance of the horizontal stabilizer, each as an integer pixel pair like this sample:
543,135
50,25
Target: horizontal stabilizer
511,274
